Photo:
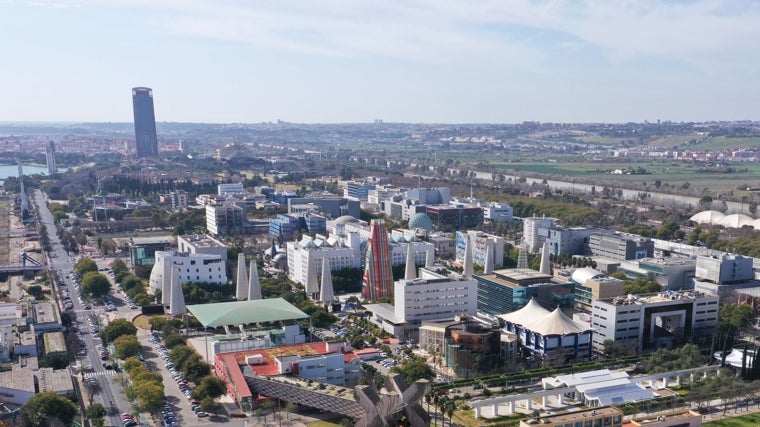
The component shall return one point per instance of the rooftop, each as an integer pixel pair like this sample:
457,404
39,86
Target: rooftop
156,240
54,342
203,241
58,381
512,276
44,312
570,417
658,297
245,312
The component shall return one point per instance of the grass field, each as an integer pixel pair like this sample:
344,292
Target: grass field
672,174
322,424
749,420
674,140
605,140
721,142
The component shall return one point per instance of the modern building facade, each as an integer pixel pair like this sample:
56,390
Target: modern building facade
224,220
621,246
455,216
201,244
480,243
535,231
723,274
193,268
378,277
52,167
651,321
437,295
146,138
358,190
179,200
507,290
572,240
498,212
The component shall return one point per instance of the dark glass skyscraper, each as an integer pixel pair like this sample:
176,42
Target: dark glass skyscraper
145,122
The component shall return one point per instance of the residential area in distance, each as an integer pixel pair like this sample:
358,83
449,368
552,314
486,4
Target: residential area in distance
380,273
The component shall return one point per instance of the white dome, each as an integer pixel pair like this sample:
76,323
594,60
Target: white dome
755,224
735,221
707,217
582,275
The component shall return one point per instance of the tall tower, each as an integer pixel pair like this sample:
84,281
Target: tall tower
378,277
50,157
145,122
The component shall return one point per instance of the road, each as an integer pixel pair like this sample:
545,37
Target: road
111,394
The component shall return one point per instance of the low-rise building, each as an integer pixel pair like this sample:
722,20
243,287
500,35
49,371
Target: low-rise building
651,321
193,268
608,416
621,246
201,244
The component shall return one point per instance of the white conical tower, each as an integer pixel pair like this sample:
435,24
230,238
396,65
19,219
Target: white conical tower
488,264
254,287
166,281
312,285
522,256
467,270
242,278
546,266
326,294
411,266
177,304
429,258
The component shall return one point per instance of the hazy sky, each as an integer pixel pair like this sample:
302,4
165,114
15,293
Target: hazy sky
356,61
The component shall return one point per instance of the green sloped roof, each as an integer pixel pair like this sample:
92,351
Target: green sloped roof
244,312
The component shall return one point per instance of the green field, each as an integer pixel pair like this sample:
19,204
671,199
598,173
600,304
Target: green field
722,142
671,141
669,174
603,140
749,420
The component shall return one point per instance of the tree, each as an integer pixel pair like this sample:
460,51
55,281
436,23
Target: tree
85,265
119,266
117,328
195,368
45,408
35,291
208,404
95,284
96,410
150,395
126,346
55,360
210,387
738,316
131,363
179,354
174,340
415,370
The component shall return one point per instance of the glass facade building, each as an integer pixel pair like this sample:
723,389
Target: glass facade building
146,139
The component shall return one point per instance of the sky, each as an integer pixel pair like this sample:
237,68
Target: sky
338,61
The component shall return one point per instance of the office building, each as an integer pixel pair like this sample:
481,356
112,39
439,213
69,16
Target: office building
724,274
201,244
506,290
437,295
497,212
225,220
591,285
145,122
231,189
285,226
572,240
651,321
192,268
480,243
358,190
52,167
329,205
621,246
378,277
468,347
142,250
535,231
179,200
455,216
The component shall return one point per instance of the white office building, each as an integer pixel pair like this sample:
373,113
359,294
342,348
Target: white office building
201,244
535,231
437,295
651,321
193,268
230,189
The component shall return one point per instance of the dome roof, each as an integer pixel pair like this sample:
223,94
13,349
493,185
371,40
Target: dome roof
707,217
755,224
421,220
280,260
345,219
734,221
582,275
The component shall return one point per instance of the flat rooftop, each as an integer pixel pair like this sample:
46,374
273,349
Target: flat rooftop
513,276
203,241
44,312
58,381
571,417
667,296
54,342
